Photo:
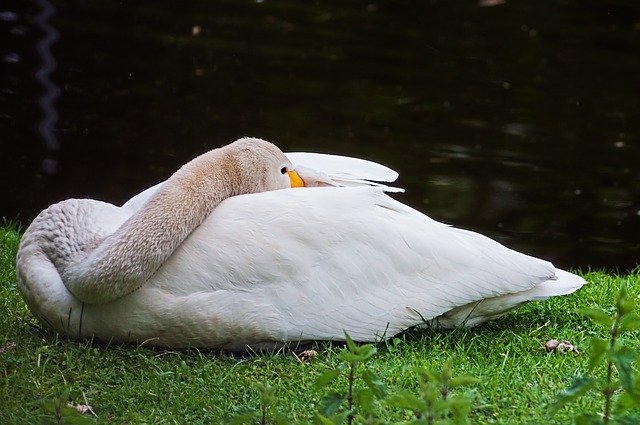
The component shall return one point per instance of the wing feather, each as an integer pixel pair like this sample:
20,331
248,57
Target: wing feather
343,167
334,259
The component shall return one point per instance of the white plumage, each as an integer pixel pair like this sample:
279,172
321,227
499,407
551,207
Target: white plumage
295,264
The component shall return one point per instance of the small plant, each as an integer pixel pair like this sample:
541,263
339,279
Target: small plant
360,402
435,403
262,415
620,386
58,410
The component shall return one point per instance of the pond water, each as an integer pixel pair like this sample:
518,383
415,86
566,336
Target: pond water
517,119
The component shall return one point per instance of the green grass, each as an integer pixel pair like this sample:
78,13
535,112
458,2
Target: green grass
518,378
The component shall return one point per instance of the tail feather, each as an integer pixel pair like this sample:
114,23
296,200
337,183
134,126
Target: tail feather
477,312
564,284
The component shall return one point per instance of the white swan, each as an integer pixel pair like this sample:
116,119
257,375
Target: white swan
203,260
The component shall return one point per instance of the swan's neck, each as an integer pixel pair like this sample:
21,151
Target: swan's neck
123,261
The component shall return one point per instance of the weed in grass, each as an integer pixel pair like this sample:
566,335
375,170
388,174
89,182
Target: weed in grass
360,402
58,410
436,403
624,389
262,415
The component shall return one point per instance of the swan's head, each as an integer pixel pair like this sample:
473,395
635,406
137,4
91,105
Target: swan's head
261,166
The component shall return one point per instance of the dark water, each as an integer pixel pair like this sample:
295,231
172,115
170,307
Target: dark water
520,120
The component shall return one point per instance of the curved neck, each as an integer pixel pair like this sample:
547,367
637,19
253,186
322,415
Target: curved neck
123,261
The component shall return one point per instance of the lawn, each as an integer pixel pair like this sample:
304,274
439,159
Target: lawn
518,377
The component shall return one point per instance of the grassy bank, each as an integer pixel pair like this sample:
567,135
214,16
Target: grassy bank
518,377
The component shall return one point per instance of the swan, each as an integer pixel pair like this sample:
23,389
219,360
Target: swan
245,246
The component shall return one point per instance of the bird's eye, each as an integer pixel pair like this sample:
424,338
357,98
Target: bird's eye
283,170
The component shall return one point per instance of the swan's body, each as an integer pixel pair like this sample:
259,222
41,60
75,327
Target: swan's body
265,268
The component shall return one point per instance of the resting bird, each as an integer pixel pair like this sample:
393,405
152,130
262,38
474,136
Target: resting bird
242,248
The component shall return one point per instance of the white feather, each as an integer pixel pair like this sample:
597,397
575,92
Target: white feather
343,167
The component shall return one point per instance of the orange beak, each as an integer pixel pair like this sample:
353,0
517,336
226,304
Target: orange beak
296,181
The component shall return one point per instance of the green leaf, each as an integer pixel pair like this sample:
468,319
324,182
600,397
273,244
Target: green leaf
630,322
589,419
447,371
355,353
406,400
441,407
323,420
267,393
430,393
624,304
625,402
374,382
580,386
463,381
460,407
337,419
364,399
629,400
348,357
367,351
68,414
280,419
351,346
627,306
245,416
597,316
341,417
358,354
72,417
598,350
629,419
326,378
330,403
426,375
623,359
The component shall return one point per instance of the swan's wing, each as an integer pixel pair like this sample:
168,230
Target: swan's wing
335,170
305,264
